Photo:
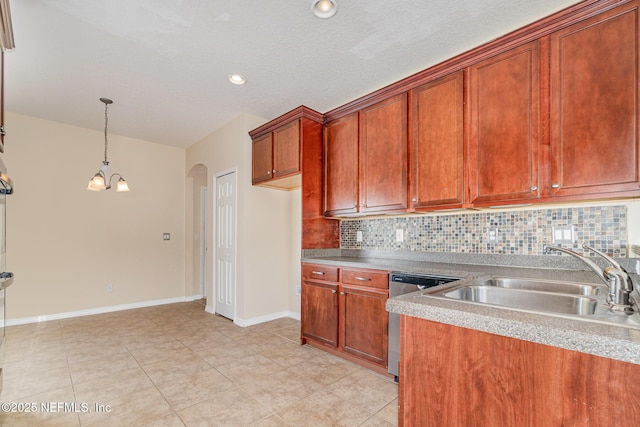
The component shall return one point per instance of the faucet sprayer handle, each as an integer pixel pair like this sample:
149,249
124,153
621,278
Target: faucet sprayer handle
611,261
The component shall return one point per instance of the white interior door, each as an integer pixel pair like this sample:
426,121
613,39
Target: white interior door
225,244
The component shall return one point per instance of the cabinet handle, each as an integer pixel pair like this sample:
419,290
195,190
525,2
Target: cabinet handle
414,199
2,131
268,172
332,291
555,185
341,293
318,272
362,279
534,187
274,171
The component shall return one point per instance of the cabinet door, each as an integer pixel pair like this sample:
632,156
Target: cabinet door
319,312
262,159
286,149
383,156
341,166
594,105
504,134
436,143
364,323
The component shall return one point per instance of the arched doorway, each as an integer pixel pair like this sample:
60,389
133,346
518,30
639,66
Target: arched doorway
198,281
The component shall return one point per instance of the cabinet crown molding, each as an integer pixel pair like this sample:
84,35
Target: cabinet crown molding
297,113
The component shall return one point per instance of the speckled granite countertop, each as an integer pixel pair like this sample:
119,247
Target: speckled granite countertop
614,342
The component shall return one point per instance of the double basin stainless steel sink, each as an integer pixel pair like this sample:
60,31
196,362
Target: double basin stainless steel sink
565,299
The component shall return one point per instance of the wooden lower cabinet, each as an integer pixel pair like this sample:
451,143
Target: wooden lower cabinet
451,376
350,320
364,323
320,312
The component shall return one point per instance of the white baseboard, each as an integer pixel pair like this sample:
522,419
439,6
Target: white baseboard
266,318
99,310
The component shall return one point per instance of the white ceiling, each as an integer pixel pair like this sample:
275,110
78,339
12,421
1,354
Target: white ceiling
165,62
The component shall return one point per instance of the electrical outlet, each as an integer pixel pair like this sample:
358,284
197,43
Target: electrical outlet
563,234
358,236
109,287
399,235
298,290
492,235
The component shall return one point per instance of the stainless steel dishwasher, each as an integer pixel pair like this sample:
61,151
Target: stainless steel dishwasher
399,284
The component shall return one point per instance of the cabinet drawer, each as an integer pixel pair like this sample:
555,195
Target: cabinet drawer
371,278
320,272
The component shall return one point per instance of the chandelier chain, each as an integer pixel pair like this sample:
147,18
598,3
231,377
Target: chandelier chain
106,122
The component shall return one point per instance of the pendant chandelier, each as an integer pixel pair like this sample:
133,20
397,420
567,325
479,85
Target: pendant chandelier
102,179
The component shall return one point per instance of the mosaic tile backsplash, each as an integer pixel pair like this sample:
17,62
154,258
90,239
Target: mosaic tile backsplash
519,232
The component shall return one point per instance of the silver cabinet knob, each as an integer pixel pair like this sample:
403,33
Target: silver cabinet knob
555,185
341,293
333,292
274,171
534,187
415,199
268,172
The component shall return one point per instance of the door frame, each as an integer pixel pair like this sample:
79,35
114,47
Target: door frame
204,239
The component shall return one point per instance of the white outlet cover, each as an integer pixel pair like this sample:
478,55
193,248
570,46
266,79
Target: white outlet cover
358,236
399,235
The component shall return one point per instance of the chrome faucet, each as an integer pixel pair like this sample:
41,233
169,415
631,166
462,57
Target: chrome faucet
616,278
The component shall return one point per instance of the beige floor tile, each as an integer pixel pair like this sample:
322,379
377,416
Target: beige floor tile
288,354
182,369
292,333
324,368
324,409
281,390
270,421
138,408
28,378
367,389
160,352
113,386
224,353
187,393
44,409
376,422
171,420
97,368
232,408
177,365
210,341
248,368
390,413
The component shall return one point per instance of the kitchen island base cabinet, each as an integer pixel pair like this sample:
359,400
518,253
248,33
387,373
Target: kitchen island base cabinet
452,376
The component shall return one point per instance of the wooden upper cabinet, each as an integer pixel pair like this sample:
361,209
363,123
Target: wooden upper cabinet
383,156
504,127
277,154
594,96
262,158
437,144
286,149
341,166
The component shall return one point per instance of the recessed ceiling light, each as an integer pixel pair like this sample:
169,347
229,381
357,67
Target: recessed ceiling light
237,79
324,8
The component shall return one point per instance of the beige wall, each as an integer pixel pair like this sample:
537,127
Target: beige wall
65,244
266,227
